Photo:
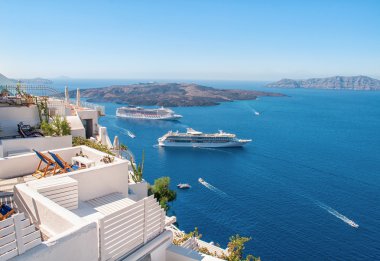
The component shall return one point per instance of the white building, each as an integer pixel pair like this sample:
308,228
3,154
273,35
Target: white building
93,213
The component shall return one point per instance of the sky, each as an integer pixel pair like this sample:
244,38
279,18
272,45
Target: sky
192,39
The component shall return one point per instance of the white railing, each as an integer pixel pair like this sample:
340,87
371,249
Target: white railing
100,108
17,235
36,90
56,107
124,230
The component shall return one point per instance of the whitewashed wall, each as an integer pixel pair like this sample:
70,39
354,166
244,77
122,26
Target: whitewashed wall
11,116
102,180
88,115
138,191
27,163
49,216
77,128
156,247
10,146
75,244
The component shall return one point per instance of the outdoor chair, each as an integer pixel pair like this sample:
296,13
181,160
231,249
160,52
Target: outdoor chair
26,131
6,211
40,173
62,164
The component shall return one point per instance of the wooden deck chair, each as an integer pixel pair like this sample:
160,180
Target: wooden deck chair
41,172
62,164
6,211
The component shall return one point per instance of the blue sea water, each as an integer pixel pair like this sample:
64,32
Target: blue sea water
313,166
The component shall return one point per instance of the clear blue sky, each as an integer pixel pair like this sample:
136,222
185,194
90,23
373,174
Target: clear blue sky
194,39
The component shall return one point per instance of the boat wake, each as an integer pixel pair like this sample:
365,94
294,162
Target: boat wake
213,149
337,215
126,132
214,189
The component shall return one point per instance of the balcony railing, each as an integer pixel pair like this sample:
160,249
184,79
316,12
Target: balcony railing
84,104
45,91
126,229
36,90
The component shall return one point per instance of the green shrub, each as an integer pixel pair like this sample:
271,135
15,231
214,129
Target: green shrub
137,174
59,126
235,249
77,141
162,192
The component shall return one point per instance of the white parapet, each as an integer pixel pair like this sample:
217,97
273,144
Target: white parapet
63,191
12,147
13,115
103,137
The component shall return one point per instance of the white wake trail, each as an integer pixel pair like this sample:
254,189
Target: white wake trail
212,188
338,215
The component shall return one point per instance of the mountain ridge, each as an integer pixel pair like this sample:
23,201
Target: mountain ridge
169,94
8,81
360,82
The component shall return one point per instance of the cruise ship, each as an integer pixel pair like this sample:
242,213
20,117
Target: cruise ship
133,112
193,138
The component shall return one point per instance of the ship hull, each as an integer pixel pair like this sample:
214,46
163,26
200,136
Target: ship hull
137,117
230,144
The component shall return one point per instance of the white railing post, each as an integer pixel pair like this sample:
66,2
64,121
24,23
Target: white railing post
102,252
145,220
19,241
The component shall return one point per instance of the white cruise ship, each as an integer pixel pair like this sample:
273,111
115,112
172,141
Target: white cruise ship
193,138
132,112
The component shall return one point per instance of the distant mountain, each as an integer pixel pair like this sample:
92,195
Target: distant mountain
168,94
8,81
336,82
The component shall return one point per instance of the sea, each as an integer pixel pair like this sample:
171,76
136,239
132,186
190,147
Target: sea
310,174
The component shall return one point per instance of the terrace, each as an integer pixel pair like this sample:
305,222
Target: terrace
95,200
34,104
93,213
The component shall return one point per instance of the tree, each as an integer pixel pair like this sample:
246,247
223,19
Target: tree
236,247
162,192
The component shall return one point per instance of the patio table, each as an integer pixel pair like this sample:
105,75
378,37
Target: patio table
79,160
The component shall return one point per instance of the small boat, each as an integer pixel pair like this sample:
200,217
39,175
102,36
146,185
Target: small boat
183,186
201,180
130,134
353,224
255,112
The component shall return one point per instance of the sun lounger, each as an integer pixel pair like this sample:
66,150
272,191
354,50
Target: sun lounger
62,164
6,211
26,131
40,173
